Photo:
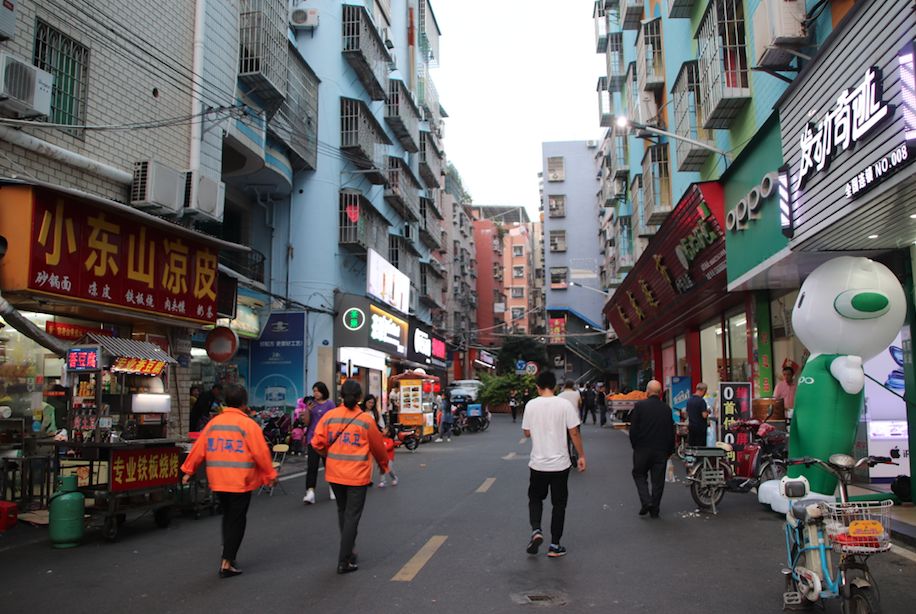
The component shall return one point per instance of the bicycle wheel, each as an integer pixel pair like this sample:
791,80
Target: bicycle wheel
861,600
773,470
706,495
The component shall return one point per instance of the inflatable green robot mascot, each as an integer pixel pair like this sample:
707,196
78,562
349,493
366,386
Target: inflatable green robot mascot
848,310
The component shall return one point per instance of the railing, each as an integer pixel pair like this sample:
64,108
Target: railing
650,65
250,264
263,51
620,165
430,161
430,228
630,13
365,50
403,116
601,27
403,190
680,9
723,67
429,99
586,352
656,182
616,66
361,227
605,103
363,139
687,112
296,121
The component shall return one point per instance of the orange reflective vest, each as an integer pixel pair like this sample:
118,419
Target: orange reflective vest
237,456
347,437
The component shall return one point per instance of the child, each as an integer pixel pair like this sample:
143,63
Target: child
389,447
298,434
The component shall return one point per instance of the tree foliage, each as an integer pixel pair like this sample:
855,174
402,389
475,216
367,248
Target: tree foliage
520,348
496,388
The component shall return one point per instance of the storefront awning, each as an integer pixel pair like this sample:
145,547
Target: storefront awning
130,356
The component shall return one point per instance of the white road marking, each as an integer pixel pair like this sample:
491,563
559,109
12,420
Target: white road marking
486,485
410,570
904,552
510,456
522,440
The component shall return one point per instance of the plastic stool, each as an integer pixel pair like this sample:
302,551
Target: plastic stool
9,512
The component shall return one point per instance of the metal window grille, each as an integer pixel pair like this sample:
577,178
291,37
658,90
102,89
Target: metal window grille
723,67
394,251
615,63
263,51
518,272
556,168
558,276
558,240
656,182
688,109
68,61
556,205
296,121
649,58
518,292
632,91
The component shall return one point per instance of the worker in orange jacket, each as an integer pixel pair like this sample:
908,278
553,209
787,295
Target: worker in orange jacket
348,438
238,462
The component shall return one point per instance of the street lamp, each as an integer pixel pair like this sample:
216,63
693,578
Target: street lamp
623,122
602,292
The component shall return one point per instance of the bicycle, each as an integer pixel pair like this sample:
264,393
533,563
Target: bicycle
855,530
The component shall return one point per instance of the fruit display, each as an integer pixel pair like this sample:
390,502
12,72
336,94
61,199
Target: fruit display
635,395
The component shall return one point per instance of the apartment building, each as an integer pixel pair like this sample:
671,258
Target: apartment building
491,284
460,265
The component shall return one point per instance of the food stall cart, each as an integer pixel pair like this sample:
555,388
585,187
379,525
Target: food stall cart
417,395
118,444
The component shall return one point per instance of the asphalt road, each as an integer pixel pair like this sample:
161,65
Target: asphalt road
618,562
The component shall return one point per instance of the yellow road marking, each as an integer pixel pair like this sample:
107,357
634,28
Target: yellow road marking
409,571
509,456
486,485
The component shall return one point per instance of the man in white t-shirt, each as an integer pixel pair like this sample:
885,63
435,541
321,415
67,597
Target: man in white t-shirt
548,420
573,396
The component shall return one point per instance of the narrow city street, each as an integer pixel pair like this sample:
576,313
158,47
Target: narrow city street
468,497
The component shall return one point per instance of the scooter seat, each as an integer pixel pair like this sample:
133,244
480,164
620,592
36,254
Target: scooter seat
800,508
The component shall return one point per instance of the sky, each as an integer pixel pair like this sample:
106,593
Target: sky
511,76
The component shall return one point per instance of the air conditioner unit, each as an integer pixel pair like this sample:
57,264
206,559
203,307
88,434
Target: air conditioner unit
385,33
204,196
555,177
157,188
25,90
301,17
591,144
648,109
778,26
408,231
393,63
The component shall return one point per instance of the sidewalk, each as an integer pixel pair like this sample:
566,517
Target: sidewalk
903,515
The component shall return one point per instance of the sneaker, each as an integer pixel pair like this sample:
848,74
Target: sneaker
394,481
438,440
381,484
556,551
449,440
309,497
331,491
534,545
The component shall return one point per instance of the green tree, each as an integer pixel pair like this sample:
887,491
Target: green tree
496,388
520,348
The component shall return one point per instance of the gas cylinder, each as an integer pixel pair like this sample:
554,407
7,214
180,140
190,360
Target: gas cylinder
66,514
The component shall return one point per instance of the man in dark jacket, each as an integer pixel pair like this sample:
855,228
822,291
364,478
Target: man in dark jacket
697,415
652,438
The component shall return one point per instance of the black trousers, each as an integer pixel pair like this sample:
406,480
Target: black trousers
696,437
235,515
311,470
648,462
350,503
514,410
557,482
602,414
586,410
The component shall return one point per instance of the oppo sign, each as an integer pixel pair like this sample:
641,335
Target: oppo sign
748,208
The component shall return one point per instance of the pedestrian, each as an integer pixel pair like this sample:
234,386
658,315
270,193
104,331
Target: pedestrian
572,395
389,450
394,400
323,404
513,403
697,417
548,421
785,390
370,406
652,438
238,461
446,420
206,403
601,402
347,436
589,404
297,436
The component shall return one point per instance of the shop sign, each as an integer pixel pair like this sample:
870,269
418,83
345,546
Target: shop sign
246,322
486,359
425,347
734,404
84,358
386,283
137,366
278,362
73,332
388,332
81,252
353,319
748,208
557,328
152,467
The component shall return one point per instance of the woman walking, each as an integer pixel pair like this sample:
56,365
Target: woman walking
323,404
346,436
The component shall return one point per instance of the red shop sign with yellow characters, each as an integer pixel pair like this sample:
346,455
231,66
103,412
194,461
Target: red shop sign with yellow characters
81,251
144,468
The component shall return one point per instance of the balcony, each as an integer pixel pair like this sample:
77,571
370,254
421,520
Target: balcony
601,27
680,9
263,54
430,160
650,65
432,203
250,264
361,226
605,104
687,112
403,189
430,286
363,139
296,121
428,97
616,66
365,51
723,68
656,183
620,165
404,256
430,228
631,13
403,115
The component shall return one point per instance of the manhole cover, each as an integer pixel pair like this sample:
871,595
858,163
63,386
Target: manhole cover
540,598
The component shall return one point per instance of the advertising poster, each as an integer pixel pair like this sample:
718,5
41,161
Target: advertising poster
680,393
735,404
278,363
557,328
386,283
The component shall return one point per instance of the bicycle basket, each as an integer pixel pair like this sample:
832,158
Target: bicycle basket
860,527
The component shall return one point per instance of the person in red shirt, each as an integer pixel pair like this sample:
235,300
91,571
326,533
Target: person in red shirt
348,438
238,462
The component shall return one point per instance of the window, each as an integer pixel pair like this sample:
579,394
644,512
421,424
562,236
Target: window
688,109
68,62
556,205
656,184
558,240
518,272
518,251
518,292
556,168
518,313
559,276
722,53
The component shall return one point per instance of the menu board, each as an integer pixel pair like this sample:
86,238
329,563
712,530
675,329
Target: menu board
411,397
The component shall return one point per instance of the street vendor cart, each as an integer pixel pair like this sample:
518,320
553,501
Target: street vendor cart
417,395
118,445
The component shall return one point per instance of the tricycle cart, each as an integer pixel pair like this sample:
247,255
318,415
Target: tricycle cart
621,409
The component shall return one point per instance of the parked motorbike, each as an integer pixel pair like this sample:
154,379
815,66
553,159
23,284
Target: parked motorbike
405,436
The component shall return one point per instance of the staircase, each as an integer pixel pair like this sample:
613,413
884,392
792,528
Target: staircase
586,353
